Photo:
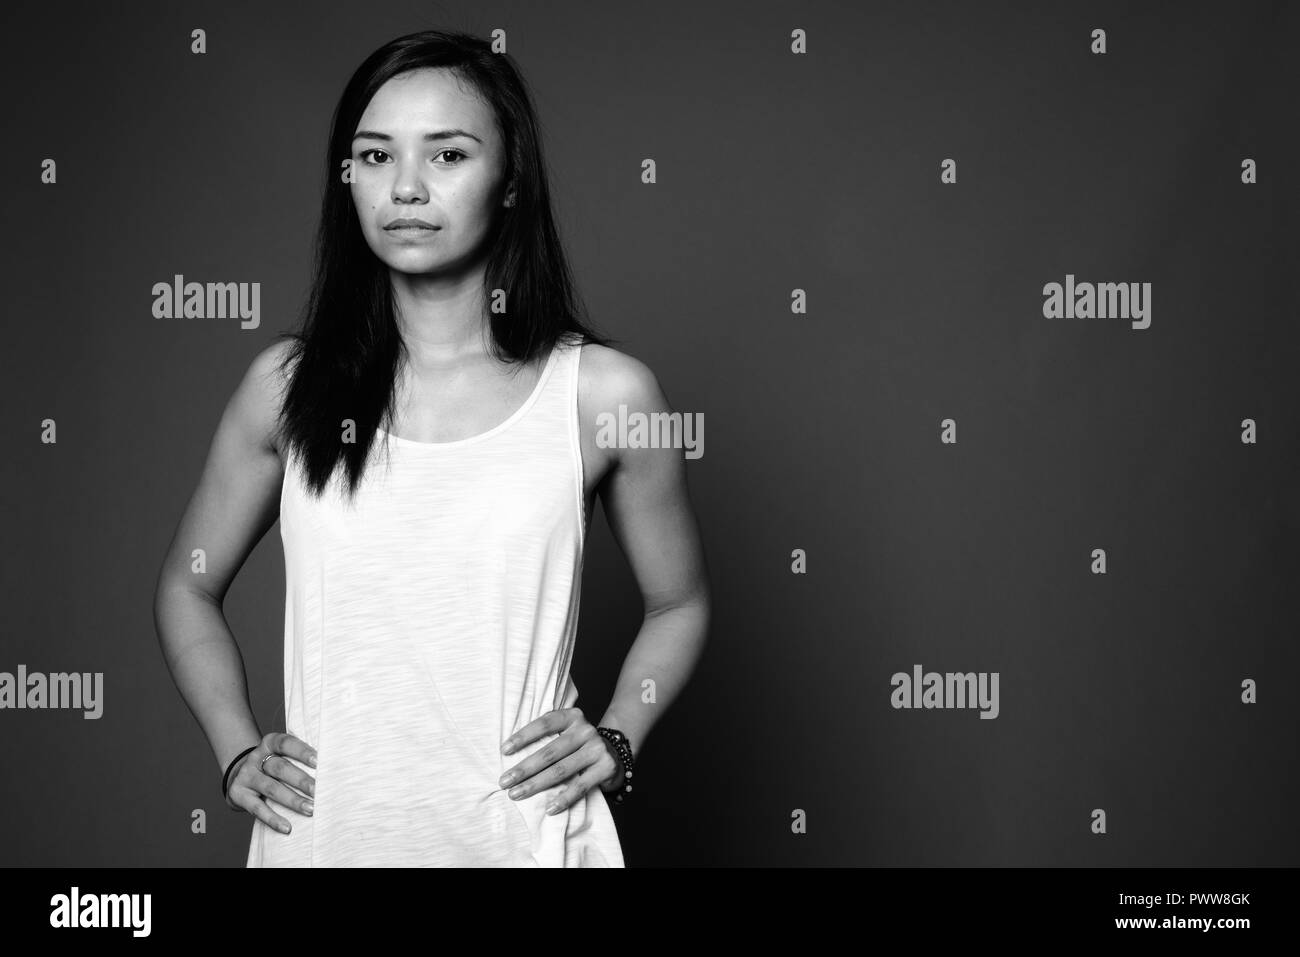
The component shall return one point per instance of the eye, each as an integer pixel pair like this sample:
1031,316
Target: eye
365,153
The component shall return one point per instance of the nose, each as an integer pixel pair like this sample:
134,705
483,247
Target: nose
408,187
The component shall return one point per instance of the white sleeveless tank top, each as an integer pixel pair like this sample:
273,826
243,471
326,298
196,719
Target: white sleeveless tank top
426,621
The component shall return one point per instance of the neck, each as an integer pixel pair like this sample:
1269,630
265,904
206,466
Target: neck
441,320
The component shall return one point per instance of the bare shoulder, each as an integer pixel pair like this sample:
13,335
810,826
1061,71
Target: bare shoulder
269,364
608,378
257,400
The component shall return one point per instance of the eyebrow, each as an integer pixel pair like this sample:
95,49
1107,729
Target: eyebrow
428,137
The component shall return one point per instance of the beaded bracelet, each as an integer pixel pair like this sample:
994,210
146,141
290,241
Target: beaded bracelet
623,748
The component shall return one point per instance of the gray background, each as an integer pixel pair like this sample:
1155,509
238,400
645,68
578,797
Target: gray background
776,172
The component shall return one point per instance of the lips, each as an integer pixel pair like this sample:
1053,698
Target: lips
410,224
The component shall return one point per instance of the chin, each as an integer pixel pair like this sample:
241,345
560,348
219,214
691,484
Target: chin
411,264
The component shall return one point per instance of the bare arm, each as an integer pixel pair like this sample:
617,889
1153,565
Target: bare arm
649,511
234,505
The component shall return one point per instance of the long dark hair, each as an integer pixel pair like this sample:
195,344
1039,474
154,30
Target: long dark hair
348,349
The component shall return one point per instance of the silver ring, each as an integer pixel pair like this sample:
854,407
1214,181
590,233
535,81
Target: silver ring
262,766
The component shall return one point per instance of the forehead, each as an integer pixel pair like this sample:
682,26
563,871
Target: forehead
422,100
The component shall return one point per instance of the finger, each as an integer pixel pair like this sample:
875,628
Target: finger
280,767
546,778
575,789
539,760
538,728
282,742
269,786
580,760
248,799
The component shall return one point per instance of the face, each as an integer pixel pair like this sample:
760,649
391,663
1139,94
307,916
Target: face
427,149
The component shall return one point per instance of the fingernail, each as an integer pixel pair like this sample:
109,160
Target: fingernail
507,747
515,792
309,806
552,808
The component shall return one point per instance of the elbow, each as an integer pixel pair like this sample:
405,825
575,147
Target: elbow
697,607
176,602
164,608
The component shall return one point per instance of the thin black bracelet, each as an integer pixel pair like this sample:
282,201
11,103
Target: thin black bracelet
225,780
623,748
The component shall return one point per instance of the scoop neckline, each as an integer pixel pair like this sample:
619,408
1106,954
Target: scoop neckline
515,416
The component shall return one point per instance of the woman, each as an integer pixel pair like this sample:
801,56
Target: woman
430,438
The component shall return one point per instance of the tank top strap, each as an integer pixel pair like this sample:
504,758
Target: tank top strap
557,401
556,417
569,358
